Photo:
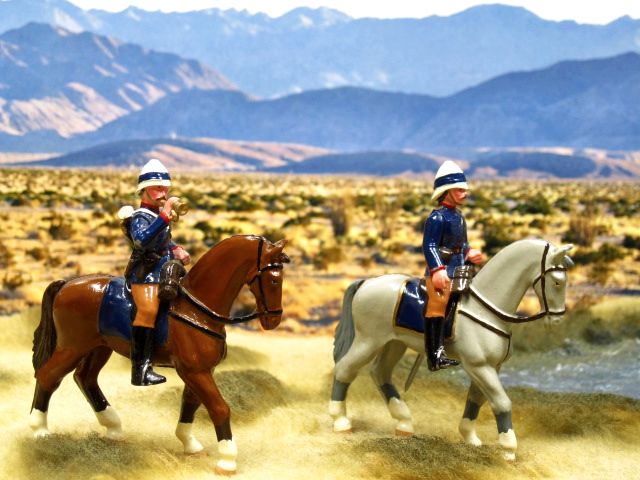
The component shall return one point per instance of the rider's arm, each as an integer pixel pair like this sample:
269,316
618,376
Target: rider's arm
433,229
143,231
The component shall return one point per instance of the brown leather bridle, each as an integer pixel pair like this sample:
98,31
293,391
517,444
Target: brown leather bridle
227,320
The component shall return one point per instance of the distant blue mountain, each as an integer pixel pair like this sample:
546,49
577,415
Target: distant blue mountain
578,104
57,84
62,91
322,48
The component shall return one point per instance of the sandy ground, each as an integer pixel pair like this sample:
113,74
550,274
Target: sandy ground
278,388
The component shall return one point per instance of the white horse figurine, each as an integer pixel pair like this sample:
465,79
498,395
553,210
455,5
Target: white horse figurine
481,338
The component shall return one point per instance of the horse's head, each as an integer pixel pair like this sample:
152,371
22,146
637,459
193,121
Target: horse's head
265,282
551,285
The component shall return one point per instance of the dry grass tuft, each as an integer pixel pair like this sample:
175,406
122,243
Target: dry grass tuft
550,415
70,456
426,457
251,393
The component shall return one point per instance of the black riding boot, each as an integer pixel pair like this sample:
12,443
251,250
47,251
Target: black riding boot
442,359
434,344
430,343
141,348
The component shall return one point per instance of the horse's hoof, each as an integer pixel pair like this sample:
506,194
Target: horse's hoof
342,425
404,428
41,433
474,441
224,471
194,447
115,435
509,456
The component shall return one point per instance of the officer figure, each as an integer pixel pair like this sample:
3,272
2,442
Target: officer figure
149,230
445,247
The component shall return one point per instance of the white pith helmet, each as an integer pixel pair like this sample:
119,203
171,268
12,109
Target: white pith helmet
448,176
153,173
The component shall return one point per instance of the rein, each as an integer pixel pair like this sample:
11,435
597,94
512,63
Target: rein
227,320
507,317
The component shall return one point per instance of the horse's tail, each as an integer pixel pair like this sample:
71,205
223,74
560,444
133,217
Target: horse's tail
345,331
45,337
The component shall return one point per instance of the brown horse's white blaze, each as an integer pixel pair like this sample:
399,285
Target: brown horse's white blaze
68,338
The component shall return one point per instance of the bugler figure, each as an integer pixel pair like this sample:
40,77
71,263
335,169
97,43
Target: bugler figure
445,248
149,230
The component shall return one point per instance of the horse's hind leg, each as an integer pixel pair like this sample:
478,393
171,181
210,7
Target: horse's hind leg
190,403
346,370
86,377
467,426
486,378
48,379
381,372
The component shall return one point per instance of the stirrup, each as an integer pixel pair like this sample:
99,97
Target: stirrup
142,375
442,361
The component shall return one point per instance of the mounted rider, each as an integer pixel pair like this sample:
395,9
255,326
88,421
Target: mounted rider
149,231
445,247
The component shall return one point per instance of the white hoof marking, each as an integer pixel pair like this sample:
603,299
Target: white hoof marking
109,419
189,441
38,423
342,425
228,452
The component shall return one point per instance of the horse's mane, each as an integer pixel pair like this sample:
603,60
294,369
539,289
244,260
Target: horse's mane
221,249
504,259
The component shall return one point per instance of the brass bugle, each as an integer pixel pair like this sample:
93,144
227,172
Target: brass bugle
181,207
178,208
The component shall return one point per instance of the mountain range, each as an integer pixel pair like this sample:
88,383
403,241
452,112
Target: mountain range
62,84
322,48
214,155
108,102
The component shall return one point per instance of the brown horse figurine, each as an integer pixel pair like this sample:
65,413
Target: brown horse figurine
69,338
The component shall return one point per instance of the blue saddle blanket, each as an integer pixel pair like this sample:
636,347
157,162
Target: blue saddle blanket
410,312
117,311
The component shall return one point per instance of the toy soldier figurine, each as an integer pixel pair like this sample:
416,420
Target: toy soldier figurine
445,247
149,230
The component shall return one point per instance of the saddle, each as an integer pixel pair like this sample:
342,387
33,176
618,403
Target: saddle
117,312
413,301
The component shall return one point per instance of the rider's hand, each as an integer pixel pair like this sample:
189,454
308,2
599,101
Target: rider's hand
168,205
441,280
182,255
475,256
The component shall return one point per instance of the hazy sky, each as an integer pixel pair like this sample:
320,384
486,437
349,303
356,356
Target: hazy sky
583,11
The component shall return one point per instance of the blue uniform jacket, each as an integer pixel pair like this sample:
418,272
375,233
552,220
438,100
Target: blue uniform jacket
151,237
445,227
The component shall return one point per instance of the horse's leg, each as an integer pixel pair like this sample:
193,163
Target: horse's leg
381,372
204,387
360,353
467,426
190,403
48,379
486,378
86,377
39,409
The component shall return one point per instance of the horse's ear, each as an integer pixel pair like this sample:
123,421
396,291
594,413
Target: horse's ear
275,249
279,245
559,255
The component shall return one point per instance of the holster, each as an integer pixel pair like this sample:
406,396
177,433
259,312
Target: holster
170,275
148,260
461,280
